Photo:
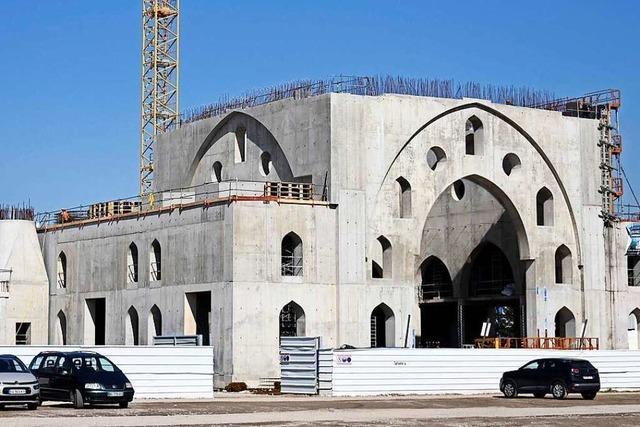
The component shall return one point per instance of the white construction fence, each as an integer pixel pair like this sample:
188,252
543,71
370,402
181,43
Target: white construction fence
381,371
154,372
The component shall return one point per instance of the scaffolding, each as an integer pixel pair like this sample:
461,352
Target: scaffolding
603,106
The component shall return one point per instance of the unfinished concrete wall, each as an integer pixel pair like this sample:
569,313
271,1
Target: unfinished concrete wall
390,137
530,177
23,291
295,133
261,290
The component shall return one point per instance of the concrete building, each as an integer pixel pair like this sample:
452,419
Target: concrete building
348,216
23,284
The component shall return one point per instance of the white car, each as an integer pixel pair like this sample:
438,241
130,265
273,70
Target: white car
18,386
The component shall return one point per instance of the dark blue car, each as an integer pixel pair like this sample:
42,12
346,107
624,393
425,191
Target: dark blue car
558,376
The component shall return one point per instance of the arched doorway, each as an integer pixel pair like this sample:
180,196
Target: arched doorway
633,329
292,320
492,305
565,323
383,327
471,273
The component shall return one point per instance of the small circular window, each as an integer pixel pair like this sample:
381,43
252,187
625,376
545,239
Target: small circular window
510,163
435,156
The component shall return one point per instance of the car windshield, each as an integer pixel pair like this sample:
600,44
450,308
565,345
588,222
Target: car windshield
93,363
12,365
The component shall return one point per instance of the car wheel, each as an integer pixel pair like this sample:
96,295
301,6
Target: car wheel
32,406
123,404
590,395
539,395
76,398
509,389
558,390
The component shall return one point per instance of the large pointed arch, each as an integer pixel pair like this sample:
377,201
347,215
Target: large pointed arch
524,134
227,125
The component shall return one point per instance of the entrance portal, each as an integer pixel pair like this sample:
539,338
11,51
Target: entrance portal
470,270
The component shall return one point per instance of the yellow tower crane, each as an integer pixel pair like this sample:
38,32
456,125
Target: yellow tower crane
159,106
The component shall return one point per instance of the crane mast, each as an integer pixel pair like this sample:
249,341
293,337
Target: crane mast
159,105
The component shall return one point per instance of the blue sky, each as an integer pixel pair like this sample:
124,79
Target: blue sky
69,111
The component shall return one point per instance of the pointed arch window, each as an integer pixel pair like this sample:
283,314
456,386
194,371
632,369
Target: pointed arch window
544,207
291,255
473,136
563,265
292,320
436,280
154,324
131,327
132,263
155,261
61,270
383,253
404,193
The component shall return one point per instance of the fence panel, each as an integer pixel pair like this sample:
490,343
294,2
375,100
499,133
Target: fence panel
299,365
154,371
463,371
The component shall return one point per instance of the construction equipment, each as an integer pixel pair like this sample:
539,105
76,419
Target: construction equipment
160,65
603,106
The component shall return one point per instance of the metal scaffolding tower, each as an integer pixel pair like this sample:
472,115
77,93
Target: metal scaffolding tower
159,107
604,106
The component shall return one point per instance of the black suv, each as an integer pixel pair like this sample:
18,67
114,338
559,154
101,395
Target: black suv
556,376
80,377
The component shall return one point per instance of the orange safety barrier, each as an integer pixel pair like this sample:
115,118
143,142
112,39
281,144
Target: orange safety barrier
550,343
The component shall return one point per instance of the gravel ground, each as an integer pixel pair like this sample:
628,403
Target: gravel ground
618,409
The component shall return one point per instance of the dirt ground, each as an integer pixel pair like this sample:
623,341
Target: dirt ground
620,409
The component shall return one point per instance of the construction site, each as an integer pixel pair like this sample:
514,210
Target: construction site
369,211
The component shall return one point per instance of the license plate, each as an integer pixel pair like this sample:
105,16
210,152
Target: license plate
18,391
115,394
588,377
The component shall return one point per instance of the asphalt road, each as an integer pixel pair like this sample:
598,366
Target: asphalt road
620,409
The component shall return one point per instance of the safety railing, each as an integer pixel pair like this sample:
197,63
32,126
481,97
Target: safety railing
289,190
550,343
224,190
435,291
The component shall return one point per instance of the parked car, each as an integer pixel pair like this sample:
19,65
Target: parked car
81,377
18,386
557,376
